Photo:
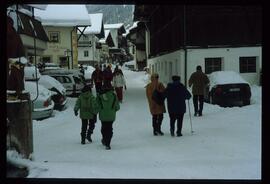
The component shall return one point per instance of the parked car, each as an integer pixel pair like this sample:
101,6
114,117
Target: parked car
70,80
48,66
42,102
58,91
227,89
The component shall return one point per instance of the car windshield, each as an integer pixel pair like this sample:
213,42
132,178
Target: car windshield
77,80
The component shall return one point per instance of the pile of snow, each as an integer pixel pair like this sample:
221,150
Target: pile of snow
256,94
17,159
225,77
31,87
50,82
88,70
30,73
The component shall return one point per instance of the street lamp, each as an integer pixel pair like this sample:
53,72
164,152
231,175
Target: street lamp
68,54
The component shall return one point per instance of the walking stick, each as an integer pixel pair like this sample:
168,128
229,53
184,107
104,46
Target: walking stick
190,118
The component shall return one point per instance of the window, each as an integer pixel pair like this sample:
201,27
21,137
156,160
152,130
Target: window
63,61
66,79
54,37
85,53
46,59
247,64
212,65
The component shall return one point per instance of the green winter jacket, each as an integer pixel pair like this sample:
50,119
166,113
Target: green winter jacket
87,104
108,104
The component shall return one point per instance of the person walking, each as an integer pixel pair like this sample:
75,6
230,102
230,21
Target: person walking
96,78
107,76
198,80
176,94
88,107
118,83
109,105
156,108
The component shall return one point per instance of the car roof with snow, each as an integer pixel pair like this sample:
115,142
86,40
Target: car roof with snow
225,77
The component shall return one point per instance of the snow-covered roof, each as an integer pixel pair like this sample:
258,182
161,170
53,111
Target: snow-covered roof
64,15
38,6
225,77
96,24
50,82
103,40
113,26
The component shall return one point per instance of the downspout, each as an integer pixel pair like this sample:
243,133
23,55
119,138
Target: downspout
71,53
185,48
35,54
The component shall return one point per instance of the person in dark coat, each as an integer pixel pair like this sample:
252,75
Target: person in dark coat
97,78
198,80
176,94
107,76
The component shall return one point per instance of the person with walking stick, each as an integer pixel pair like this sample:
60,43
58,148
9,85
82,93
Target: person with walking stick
198,80
176,94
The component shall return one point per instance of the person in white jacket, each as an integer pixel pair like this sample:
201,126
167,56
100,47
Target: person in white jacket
118,84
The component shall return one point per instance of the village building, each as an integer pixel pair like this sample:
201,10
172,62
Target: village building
106,43
118,52
137,46
30,29
61,24
219,38
89,48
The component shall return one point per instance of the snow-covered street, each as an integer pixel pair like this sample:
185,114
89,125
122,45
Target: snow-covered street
226,143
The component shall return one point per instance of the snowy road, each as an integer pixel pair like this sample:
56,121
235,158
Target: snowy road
226,143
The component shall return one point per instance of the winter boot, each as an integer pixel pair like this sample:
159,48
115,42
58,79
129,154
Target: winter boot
159,129
82,138
103,142
88,137
172,132
108,147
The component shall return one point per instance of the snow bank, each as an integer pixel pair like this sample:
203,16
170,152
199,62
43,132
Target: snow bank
16,159
256,94
50,82
225,77
88,70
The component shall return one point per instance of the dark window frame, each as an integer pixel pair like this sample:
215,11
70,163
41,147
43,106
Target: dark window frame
51,38
212,64
84,53
248,64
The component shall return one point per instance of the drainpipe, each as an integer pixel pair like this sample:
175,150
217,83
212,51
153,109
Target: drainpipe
71,53
35,53
185,48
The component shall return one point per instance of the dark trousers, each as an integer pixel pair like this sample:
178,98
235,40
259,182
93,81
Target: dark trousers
156,122
196,99
119,93
107,132
98,86
91,126
179,118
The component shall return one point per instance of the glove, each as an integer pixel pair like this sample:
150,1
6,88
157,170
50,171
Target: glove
76,113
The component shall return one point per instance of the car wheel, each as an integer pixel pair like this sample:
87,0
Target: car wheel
246,102
211,99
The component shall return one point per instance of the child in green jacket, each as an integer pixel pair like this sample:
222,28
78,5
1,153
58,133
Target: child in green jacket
88,107
109,104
